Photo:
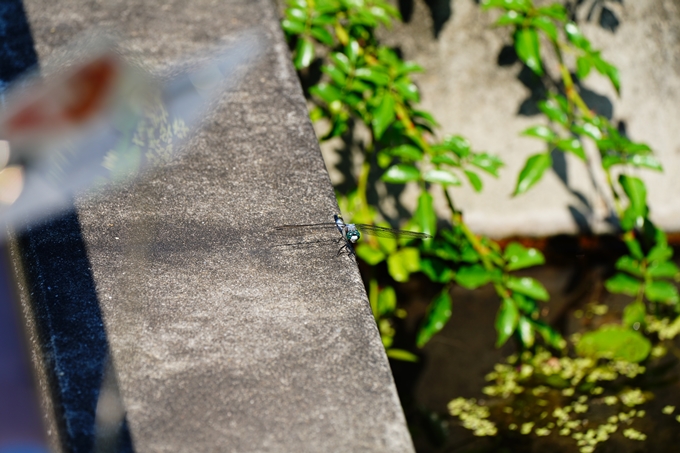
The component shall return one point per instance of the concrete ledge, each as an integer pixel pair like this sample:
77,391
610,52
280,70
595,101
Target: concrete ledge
222,334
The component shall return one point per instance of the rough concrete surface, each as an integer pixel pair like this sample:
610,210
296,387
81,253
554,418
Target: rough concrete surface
469,93
224,334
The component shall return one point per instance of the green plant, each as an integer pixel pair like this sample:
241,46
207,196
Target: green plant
366,83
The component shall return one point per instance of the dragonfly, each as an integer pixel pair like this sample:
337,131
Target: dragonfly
351,232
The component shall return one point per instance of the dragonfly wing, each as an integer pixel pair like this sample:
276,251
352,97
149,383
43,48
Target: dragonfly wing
308,225
373,230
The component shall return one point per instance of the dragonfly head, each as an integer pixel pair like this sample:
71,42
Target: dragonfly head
353,236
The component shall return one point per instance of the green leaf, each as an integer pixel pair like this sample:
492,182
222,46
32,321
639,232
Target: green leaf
342,62
583,65
525,304
516,5
628,264
401,173
528,49
383,116
555,10
304,53
436,270
660,252
437,317
573,145
510,18
487,162
400,354
472,277
553,111
297,13
634,312
529,287
519,257
327,92
616,343
542,132
664,269
352,50
425,216
547,26
322,35
645,161
387,301
506,321
370,255
526,332
407,90
372,75
575,36
661,291
636,192
475,180
633,247
550,335
623,284
336,75
403,263
458,144
443,177
293,26
407,152
532,172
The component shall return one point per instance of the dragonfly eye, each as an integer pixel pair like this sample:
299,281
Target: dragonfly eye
353,236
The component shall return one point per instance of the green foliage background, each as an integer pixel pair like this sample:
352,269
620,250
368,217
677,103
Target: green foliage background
366,82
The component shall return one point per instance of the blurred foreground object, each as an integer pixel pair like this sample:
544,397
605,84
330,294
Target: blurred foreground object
100,123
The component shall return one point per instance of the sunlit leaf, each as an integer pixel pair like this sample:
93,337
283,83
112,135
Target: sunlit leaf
634,312
628,264
542,132
322,35
487,162
664,269
408,152
383,116
528,49
636,192
583,65
547,25
474,276
401,173
576,37
661,291
443,177
437,317
526,332
573,145
529,287
403,263
475,180
532,172
436,270
506,321
370,255
304,53
614,342
387,301
520,257
623,284
400,354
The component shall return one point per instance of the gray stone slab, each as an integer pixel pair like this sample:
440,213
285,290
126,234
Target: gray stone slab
224,334
470,94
